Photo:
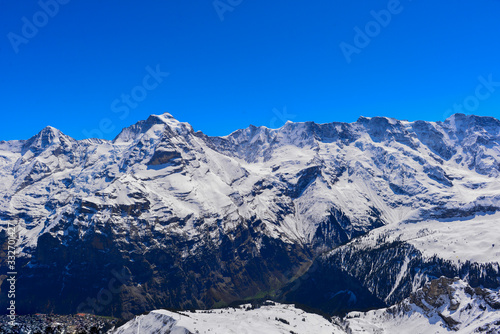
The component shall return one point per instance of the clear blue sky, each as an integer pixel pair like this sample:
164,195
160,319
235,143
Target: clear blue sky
76,71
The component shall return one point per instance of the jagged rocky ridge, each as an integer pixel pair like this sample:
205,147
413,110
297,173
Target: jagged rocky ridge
177,219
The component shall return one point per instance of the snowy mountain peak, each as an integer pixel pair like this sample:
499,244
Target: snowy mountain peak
153,126
377,120
165,118
461,121
48,136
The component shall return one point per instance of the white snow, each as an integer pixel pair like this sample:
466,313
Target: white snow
272,319
474,238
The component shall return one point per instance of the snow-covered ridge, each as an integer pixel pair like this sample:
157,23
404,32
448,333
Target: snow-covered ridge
273,318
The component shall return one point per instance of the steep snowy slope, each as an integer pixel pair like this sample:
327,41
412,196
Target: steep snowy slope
194,221
474,238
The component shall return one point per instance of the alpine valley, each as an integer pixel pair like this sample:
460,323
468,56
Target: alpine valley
385,225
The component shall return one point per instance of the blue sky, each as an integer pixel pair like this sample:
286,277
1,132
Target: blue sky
92,67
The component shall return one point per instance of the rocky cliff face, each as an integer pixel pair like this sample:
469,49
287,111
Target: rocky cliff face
441,306
163,216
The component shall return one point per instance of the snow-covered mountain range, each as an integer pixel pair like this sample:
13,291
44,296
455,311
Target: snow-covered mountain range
370,210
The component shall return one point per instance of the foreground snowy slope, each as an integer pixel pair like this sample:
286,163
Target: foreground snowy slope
271,319
191,221
441,306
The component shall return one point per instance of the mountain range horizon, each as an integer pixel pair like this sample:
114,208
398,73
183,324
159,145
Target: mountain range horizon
169,115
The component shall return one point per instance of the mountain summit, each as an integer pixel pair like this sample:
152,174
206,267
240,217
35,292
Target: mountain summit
48,136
